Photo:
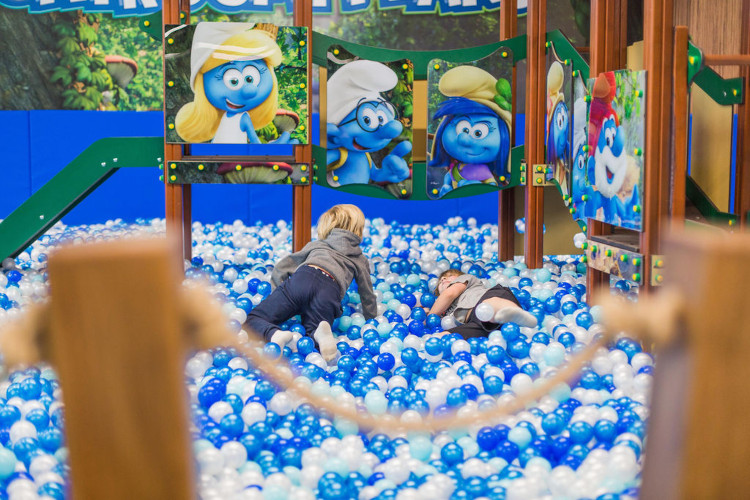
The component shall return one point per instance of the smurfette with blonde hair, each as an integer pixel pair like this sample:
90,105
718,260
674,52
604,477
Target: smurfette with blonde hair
232,77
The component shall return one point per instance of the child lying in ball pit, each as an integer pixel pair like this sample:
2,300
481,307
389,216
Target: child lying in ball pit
466,297
313,281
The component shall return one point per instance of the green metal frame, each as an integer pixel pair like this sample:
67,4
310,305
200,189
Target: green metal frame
151,25
419,180
567,51
421,58
72,184
725,91
705,206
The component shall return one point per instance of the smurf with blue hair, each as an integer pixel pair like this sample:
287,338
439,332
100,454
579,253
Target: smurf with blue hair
472,141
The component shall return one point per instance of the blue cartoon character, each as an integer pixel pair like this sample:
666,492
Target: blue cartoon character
233,79
613,175
472,141
558,130
362,121
608,169
580,190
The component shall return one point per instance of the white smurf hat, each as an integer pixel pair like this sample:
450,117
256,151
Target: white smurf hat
579,124
356,82
209,37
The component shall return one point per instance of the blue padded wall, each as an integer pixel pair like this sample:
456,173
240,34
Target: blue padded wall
37,144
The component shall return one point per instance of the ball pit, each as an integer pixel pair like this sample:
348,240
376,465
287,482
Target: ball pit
254,440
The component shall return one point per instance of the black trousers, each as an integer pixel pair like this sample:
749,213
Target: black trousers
475,328
308,292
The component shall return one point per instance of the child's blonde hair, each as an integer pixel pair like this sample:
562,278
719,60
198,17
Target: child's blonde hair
446,274
198,121
348,217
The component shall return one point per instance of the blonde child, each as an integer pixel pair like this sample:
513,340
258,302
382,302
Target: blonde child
460,294
313,281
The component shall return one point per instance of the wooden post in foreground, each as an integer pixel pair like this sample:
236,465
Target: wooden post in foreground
118,346
698,437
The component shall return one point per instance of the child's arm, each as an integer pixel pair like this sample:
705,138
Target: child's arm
446,298
366,293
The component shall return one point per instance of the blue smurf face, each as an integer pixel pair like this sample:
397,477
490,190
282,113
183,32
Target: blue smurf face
610,167
560,129
612,137
369,127
579,171
238,86
472,138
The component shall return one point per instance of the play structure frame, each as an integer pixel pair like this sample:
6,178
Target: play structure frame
672,64
665,155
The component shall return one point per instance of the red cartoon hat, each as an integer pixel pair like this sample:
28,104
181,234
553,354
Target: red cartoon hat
601,105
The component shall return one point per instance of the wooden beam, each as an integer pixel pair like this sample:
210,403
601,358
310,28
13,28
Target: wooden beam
176,197
118,346
658,43
302,195
621,41
536,27
726,59
681,117
604,51
699,440
187,221
506,230
742,168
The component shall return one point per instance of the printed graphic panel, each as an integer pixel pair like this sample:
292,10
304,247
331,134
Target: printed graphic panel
236,83
470,123
369,122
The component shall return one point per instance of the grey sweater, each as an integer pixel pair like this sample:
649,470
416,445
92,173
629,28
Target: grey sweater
468,300
340,255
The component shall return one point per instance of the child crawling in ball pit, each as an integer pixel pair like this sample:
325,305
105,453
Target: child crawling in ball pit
313,281
460,294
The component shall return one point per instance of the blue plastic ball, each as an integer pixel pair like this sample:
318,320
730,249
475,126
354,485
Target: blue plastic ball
452,454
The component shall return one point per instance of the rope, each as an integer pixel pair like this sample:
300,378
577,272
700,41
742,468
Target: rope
26,341
387,423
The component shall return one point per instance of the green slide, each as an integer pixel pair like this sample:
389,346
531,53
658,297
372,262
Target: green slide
72,184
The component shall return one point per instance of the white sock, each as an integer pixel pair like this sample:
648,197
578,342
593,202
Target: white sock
282,337
327,343
515,315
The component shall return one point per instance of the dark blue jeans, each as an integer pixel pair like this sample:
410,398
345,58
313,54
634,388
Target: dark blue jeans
308,292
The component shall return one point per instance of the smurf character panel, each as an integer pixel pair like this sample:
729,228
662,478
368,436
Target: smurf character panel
369,122
236,83
614,169
470,123
579,190
558,127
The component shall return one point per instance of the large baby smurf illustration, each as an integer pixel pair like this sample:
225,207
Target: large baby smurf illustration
611,170
362,121
234,83
473,139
